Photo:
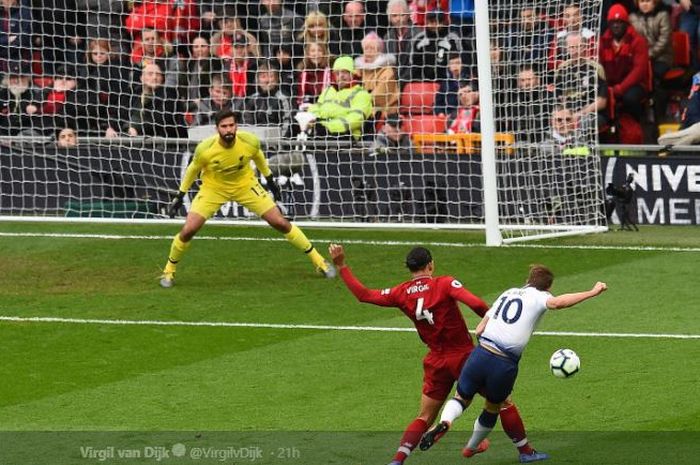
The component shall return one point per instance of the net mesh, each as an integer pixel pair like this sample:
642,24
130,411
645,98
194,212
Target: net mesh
549,92
104,101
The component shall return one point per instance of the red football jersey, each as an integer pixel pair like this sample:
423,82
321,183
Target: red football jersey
431,303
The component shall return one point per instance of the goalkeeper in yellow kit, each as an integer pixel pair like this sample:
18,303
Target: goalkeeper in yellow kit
223,163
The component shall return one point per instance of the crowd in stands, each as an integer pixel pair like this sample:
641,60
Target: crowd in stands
156,67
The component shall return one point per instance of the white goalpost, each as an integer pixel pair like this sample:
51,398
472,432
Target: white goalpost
554,189
479,119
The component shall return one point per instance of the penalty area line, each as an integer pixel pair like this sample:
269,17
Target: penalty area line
231,324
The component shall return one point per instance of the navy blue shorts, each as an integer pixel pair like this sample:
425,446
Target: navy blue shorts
489,374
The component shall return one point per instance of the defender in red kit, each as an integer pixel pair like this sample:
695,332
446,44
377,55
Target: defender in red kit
431,302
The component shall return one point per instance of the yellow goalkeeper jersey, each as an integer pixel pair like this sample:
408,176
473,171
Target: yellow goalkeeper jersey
224,168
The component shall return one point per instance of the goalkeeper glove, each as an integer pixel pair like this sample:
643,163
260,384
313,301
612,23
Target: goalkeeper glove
274,188
175,204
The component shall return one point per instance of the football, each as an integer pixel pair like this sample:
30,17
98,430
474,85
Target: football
564,363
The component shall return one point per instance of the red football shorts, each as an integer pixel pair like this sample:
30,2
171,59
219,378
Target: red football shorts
441,371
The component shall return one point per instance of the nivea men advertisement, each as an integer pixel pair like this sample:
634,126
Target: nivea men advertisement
659,190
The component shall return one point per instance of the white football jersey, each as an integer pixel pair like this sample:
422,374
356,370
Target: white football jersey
513,318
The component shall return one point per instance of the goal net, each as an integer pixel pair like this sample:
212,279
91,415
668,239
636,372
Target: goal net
547,89
370,112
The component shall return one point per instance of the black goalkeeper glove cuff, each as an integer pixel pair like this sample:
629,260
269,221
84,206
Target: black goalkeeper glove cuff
273,188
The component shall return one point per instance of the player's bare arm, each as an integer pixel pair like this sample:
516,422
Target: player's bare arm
569,300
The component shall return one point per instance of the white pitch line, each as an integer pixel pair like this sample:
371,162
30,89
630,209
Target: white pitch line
229,324
354,241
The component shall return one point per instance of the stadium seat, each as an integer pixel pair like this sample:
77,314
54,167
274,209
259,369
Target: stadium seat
425,124
681,55
676,80
418,98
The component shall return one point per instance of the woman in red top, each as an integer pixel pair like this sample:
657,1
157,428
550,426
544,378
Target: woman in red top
314,72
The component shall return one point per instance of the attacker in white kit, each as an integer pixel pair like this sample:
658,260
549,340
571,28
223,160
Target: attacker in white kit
492,367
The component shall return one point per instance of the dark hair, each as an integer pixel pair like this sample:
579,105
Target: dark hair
221,115
418,258
540,277
221,80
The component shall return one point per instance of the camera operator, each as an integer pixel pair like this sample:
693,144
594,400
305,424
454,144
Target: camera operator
621,201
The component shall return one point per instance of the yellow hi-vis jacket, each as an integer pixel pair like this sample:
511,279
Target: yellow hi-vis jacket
343,111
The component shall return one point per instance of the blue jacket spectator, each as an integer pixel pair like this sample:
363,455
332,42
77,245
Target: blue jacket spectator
691,115
447,99
16,30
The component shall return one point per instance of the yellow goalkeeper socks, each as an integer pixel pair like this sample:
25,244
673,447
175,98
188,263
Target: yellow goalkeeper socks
177,248
298,239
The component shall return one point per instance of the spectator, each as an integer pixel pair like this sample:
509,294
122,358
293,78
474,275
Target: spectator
564,135
285,66
529,40
195,77
103,20
210,12
430,49
152,48
689,133
61,103
154,109
377,74
314,73
66,138
625,58
653,22
278,26
19,101
175,20
106,90
242,67
352,31
397,39
421,8
529,120
58,33
228,37
15,35
689,22
465,119
572,22
268,106
219,97
447,100
502,73
572,84
392,139
317,29
342,110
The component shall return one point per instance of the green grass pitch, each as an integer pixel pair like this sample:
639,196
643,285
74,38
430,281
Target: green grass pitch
314,396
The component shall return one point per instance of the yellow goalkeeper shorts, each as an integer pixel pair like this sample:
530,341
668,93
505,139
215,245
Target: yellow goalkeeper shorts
254,197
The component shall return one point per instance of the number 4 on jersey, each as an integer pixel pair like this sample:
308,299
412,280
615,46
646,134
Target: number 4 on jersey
423,314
